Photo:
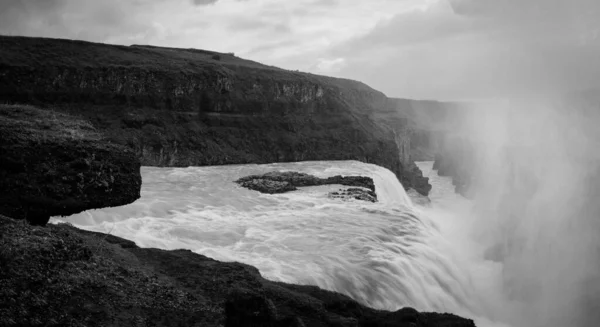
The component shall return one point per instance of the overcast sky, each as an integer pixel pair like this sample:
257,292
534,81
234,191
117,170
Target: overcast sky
433,49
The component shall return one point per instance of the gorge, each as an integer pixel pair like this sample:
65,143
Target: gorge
155,139
173,108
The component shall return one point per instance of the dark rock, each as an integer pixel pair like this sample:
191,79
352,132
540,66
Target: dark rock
418,182
89,279
296,179
281,182
267,186
359,181
247,308
354,193
52,164
180,107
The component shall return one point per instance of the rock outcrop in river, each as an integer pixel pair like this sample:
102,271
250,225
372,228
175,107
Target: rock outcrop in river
184,107
363,188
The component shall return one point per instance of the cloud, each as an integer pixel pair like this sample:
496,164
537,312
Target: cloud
86,20
325,66
484,48
203,2
409,48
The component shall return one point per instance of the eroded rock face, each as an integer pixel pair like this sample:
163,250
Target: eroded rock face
267,186
281,182
182,107
52,164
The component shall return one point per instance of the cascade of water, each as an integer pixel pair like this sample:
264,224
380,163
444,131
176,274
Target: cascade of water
387,255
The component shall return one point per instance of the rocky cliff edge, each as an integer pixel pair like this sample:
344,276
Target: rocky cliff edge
52,164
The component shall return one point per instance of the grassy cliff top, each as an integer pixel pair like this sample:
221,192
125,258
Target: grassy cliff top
37,52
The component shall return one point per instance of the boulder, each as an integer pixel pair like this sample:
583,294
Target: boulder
267,186
281,182
53,164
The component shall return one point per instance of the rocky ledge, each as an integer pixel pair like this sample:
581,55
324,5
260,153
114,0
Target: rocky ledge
275,182
52,164
62,276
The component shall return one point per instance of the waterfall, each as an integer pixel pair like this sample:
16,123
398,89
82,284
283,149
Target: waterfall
387,255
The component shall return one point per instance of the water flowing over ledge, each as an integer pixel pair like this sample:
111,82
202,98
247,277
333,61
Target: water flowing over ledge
387,255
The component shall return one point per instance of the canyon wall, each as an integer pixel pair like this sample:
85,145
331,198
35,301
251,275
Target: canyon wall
440,132
186,107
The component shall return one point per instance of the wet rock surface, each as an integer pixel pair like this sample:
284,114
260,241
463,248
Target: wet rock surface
93,279
52,164
354,193
282,182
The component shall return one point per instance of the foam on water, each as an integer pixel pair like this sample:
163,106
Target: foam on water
387,254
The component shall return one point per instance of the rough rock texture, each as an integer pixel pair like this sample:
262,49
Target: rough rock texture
52,164
356,194
181,107
62,276
281,182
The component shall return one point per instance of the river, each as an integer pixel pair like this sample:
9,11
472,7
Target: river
388,254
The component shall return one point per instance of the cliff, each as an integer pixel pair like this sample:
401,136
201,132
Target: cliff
442,132
183,107
52,164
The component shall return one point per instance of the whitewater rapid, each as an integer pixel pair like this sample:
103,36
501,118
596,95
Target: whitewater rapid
388,255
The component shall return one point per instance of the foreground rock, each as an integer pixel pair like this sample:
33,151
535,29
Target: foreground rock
189,107
281,182
52,164
62,276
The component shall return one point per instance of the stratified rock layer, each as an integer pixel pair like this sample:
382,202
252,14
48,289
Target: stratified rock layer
187,107
52,164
